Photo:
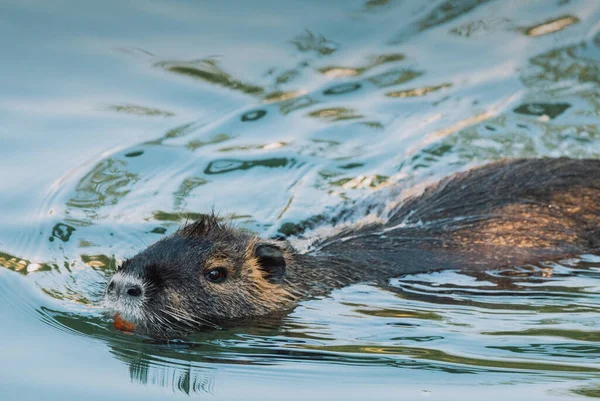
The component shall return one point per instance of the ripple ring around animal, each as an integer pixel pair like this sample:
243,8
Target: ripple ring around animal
508,213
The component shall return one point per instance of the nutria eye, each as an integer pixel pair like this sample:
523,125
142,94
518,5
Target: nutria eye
217,275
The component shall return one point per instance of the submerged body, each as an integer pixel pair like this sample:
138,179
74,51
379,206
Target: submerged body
503,214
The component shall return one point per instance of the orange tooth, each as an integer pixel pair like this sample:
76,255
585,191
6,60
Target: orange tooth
122,324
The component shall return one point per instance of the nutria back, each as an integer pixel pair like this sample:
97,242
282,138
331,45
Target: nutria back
507,213
503,214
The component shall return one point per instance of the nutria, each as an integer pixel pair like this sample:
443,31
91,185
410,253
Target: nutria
508,213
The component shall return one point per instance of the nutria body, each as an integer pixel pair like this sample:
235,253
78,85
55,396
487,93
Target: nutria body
503,214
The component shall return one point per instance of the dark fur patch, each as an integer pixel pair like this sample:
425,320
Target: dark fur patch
205,225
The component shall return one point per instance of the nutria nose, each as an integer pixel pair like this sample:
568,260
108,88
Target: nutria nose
120,288
134,291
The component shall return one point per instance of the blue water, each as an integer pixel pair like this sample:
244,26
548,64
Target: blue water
120,120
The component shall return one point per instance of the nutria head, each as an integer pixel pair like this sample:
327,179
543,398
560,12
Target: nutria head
204,274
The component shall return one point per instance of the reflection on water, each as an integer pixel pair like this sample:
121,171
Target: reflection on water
188,381
209,71
138,110
319,44
374,61
551,26
444,322
417,91
287,118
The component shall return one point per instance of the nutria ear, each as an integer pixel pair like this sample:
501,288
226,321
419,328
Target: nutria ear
270,261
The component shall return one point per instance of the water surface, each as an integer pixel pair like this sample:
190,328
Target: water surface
120,120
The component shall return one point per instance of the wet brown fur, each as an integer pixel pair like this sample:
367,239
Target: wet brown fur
503,214
232,245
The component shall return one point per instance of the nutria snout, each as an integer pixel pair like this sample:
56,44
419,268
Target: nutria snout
503,214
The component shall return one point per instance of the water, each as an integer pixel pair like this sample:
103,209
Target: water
120,120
